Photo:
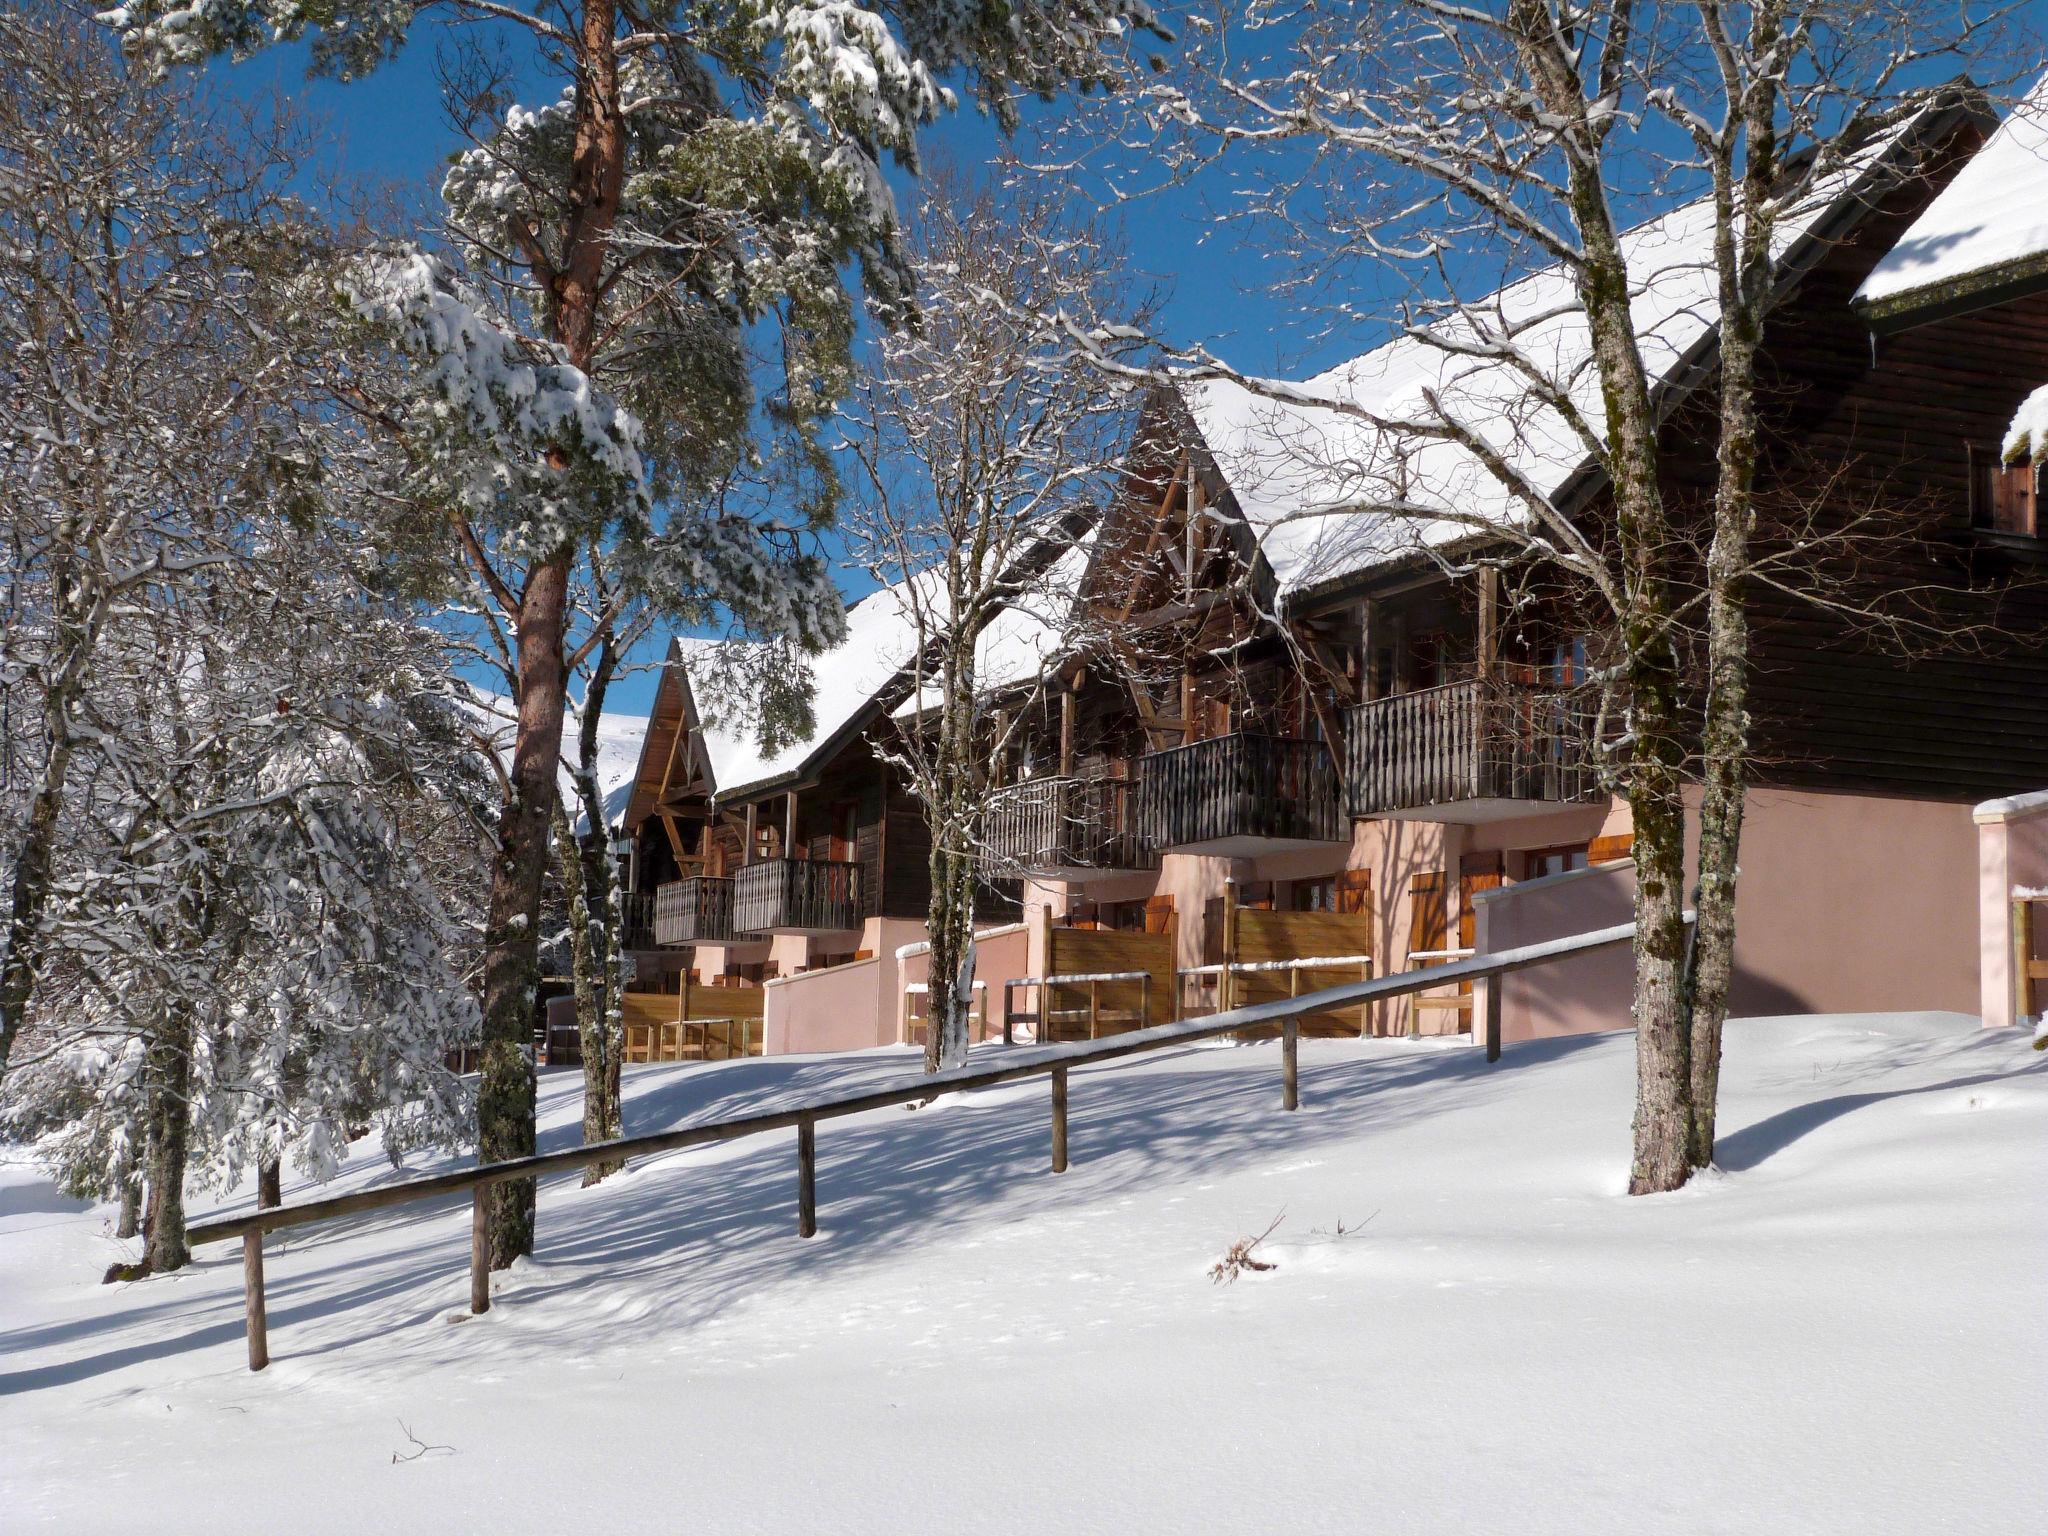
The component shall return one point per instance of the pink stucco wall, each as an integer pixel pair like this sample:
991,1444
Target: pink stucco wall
858,1005
1847,903
1000,955
2012,854
837,1009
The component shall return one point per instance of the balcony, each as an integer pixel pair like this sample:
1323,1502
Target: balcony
698,910
1468,752
798,896
1063,827
1237,796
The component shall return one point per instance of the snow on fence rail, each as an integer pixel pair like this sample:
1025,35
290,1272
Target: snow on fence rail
1054,1061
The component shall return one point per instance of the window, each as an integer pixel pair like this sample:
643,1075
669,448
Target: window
1313,895
845,835
1564,662
1538,862
2003,497
1123,916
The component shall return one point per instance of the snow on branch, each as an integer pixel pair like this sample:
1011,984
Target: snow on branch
511,429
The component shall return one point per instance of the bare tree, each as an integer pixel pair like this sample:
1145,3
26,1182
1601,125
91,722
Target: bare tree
1470,145
136,402
986,450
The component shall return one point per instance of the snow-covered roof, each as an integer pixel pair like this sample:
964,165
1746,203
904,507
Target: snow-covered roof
619,739
1987,225
881,637
1339,475
881,641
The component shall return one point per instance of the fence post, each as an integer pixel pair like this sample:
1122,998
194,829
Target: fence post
1094,1008
252,1299
807,1177
1009,1025
1145,1001
1059,1119
1290,1041
2022,959
1492,984
479,1250
1364,1009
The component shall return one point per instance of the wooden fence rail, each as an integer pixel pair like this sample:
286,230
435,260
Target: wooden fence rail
1054,1061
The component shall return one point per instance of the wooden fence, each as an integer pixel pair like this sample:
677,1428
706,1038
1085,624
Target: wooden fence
1053,1062
672,1026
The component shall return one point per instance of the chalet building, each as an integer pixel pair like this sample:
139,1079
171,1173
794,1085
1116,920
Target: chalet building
747,867
1401,743
1299,707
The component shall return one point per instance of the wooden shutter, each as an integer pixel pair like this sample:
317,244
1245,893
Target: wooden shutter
1159,914
1476,872
1604,850
1428,918
1354,892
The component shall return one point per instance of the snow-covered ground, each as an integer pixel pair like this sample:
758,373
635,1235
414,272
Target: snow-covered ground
1843,1331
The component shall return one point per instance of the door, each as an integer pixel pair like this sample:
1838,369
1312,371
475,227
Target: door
1476,872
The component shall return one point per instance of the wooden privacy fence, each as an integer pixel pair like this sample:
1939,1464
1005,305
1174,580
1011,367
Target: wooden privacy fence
1269,955
2029,968
698,1024
1054,1061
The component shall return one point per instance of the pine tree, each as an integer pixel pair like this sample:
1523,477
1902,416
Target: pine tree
702,183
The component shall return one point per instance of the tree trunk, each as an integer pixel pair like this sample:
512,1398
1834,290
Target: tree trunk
269,1184
130,1221
1663,1116
594,963
33,863
950,976
574,294
505,1092
1743,260
170,1125
951,798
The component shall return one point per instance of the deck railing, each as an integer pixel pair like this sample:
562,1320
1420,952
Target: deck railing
1054,1062
1242,786
1047,825
1467,741
798,895
636,920
694,911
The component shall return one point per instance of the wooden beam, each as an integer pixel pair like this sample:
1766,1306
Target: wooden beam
1152,541
675,838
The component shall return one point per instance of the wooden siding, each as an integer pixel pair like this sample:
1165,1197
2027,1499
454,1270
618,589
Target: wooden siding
1891,425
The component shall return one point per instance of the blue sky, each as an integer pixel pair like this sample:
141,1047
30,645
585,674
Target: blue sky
389,128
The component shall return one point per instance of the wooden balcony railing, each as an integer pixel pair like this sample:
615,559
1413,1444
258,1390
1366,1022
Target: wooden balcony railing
1237,789
798,896
636,920
698,910
1467,741
1044,826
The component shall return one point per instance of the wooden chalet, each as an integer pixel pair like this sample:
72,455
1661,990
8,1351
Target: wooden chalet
1309,741
1413,743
